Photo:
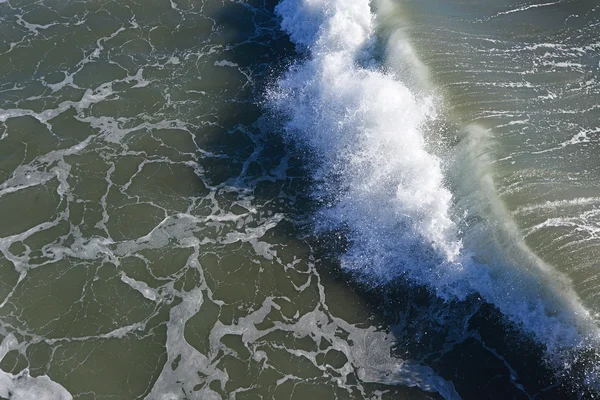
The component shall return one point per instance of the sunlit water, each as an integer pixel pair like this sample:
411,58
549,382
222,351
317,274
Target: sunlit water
311,199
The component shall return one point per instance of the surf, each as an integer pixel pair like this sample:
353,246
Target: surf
408,208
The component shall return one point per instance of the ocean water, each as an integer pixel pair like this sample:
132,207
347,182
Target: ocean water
326,199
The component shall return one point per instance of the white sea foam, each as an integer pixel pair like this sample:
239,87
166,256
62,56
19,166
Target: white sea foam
558,204
524,8
365,127
24,386
365,131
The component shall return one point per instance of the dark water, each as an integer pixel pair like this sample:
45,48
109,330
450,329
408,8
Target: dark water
317,199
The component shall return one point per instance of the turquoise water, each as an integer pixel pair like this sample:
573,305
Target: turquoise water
326,199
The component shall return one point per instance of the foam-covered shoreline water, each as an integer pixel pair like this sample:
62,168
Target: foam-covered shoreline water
364,129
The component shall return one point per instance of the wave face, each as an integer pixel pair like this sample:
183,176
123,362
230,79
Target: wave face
366,135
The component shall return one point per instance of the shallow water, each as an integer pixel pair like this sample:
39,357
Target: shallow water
334,199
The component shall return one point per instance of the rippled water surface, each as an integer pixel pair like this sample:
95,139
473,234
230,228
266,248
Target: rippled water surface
327,199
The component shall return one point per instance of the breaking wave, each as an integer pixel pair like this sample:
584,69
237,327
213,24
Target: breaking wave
365,127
